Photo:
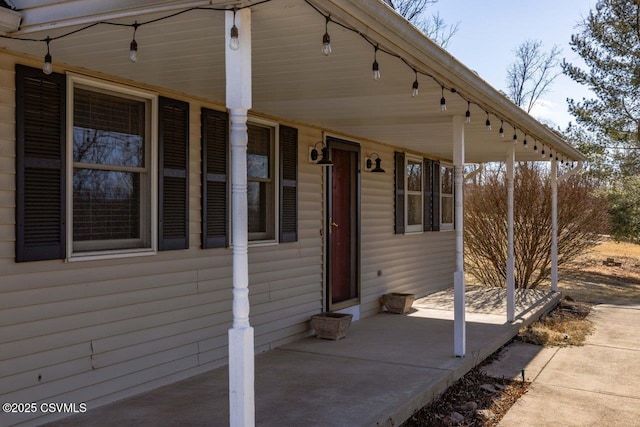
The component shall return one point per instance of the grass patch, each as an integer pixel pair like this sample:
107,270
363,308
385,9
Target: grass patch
565,325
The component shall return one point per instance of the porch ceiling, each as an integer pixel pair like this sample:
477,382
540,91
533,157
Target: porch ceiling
291,79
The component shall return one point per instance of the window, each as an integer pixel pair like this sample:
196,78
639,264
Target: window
261,182
417,194
446,197
414,194
111,186
272,181
101,170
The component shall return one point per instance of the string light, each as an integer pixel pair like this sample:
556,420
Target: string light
234,41
46,67
535,146
515,136
414,88
375,67
326,39
542,152
524,143
133,46
234,44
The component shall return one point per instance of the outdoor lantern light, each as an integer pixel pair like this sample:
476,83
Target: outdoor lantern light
378,160
325,160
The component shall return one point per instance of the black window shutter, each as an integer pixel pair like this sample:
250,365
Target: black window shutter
40,165
173,174
436,196
428,194
288,184
215,177
399,192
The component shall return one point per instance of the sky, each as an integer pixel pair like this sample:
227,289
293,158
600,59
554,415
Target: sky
491,30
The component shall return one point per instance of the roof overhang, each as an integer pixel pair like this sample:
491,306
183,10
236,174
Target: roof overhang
291,79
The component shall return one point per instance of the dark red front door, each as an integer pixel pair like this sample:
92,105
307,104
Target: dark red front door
343,239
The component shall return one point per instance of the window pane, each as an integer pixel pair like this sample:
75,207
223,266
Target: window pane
447,180
257,206
414,176
414,212
258,152
106,205
108,129
447,210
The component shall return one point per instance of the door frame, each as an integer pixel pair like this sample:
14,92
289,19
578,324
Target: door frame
342,144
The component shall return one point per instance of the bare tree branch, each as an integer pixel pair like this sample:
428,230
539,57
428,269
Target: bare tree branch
531,74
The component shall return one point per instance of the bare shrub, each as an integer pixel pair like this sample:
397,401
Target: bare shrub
582,219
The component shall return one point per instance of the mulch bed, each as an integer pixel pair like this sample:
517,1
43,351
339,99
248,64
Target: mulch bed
470,401
477,399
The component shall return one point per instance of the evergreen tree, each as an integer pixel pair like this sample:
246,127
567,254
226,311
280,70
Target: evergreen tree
609,44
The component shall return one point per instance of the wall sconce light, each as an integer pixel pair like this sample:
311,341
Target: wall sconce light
378,160
324,160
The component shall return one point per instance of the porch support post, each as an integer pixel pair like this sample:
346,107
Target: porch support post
511,287
459,326
554,225
241,341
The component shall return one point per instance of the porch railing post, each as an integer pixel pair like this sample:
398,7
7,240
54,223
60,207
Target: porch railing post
241,336
459,326
511,286
554,225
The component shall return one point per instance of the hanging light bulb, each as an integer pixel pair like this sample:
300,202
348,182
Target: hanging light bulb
524,143
542,152
515,136
535,146
443,102
234,41
375,67
133,46
326,39
467,115
487,123
46,67
550,154
501,131
414,88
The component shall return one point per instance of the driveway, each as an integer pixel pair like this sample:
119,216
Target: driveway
594,385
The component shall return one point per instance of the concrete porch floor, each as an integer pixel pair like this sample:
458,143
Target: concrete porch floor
388,366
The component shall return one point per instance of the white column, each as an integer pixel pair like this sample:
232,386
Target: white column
241,342
511,286
459,326
554,225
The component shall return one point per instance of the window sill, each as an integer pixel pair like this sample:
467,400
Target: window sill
262,243
92,256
